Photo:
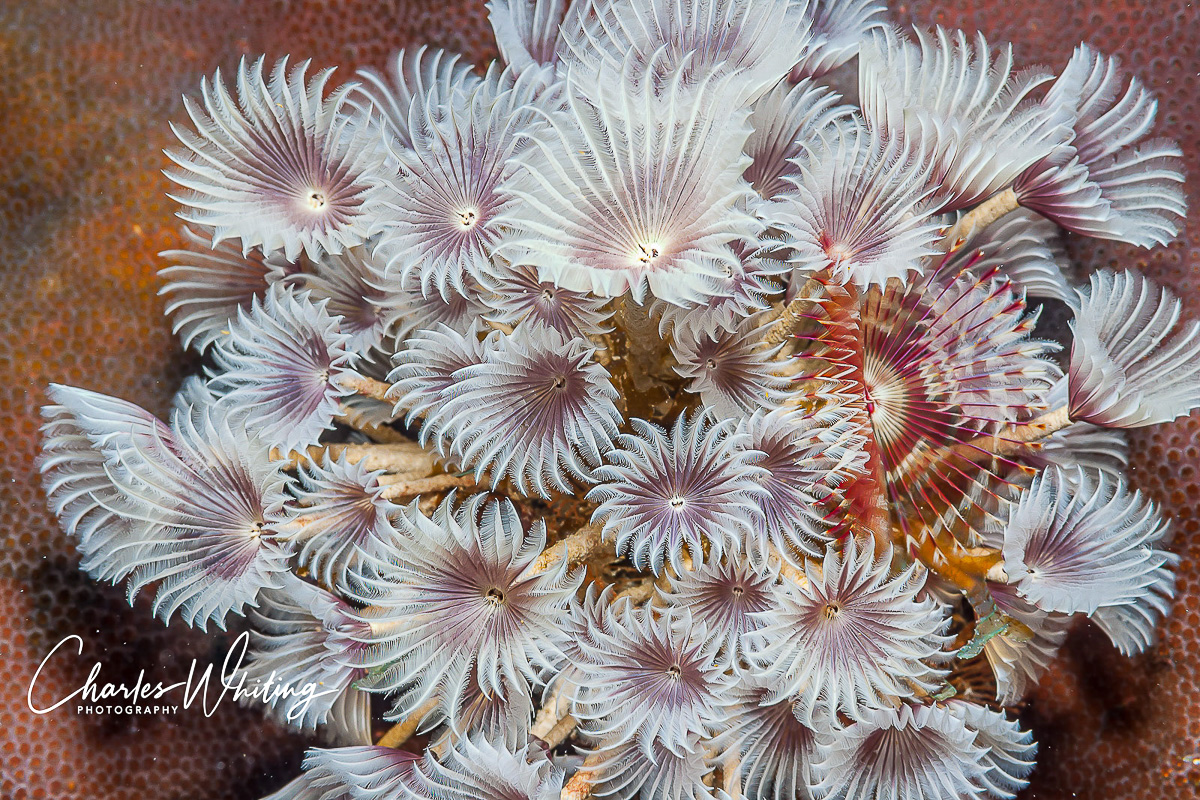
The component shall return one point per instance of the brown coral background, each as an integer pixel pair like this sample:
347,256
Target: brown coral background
86,89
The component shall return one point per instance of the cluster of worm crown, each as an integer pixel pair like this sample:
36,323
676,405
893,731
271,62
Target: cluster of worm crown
639,417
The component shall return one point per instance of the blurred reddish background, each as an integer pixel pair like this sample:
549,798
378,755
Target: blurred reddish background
87,89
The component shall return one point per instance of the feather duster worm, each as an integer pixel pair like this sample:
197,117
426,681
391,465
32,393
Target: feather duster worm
469,709
1103,183
282,168
625,771
442,205
1133,362
341,516
312,786
734,372
528,32
455,595
1018,661
805,456
942,365
423,380
77,483
349,284
1077,541
963,105
649,679
752,42
358,772
661,491
300,641
849,640
727,597
783,121
517,293
536,409
1009,751
874,459
459,311
774,748
738,293
1025,249
281,363
207,287
428,75
474,768
975,325
1082,444
606,207
859,206
838,28
195,507
914,752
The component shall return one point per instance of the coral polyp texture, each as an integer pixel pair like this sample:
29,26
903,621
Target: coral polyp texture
639,416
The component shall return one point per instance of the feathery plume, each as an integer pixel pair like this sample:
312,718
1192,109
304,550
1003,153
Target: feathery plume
1019,660
1107,182
77,484
470,709
1023,247
207,285
1008,751
473,768
423,380
838,28
734,372
782,122
858,207
727,597
805,457
460,311
528,32
536,409
295,668
1133,362
201,500
913,752
359,773
649,678
664,491
367,314
740,292
631,189
429,75
626,771
962,105
438,225
456,595
1082,444
751,43
282,168
945,360
280,366
773,747
1079,540
850,640
341,515
517,293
